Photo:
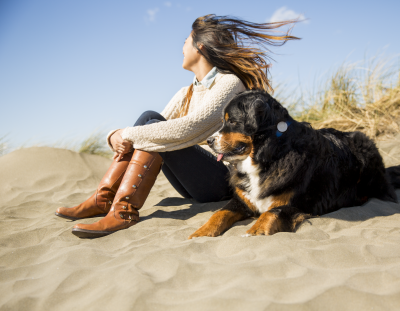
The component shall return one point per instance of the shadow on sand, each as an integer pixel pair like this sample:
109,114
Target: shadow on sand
372,208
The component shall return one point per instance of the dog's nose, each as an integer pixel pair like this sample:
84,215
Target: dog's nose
210,140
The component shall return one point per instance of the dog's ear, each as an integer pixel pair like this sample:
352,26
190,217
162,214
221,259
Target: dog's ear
256,112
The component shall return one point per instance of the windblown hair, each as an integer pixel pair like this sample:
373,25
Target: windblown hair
229,42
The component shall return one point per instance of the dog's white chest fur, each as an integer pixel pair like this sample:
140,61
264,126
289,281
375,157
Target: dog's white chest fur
254,189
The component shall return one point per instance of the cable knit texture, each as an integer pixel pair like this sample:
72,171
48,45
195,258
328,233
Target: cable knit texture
203,118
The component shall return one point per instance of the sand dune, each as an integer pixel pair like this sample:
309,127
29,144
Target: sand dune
346,260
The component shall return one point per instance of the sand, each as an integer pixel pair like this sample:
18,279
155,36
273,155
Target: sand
346,260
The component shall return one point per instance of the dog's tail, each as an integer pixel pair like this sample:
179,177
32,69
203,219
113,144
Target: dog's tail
393,174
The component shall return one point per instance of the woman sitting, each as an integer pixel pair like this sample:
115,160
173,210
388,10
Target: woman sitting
216,52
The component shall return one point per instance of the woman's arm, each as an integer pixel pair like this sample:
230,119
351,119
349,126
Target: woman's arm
187,131
170,111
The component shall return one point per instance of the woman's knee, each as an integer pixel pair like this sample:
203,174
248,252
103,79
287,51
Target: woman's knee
148,113
147,116
152,121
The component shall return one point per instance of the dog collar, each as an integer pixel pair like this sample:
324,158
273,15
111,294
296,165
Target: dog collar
282,127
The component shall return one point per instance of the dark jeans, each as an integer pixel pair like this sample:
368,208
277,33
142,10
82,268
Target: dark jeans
193,171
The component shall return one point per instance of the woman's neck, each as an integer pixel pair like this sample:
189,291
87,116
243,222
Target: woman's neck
201,70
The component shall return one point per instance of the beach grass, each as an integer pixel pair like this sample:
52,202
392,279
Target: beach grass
95,144
3,145
362,96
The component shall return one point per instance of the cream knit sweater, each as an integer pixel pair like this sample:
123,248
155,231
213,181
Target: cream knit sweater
203,118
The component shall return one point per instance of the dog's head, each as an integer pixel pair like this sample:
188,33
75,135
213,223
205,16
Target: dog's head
247,115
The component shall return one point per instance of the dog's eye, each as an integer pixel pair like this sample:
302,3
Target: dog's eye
230,121
239,149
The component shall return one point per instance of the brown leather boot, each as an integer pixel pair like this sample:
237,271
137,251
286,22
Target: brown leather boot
138,180
100,202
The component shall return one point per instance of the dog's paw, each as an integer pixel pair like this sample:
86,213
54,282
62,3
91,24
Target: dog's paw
203,232
259,230
267,224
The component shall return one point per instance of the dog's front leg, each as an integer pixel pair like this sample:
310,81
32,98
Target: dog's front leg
222,220
278,219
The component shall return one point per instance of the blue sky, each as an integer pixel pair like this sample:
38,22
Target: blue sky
68,68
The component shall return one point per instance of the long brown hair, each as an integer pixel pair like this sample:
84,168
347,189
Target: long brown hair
228,43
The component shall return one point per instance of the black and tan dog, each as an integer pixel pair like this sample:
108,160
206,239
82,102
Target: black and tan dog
286,172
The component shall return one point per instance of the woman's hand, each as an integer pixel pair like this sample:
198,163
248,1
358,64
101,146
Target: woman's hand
117,156
120,146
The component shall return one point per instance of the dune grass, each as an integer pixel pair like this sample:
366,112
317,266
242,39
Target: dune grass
95,144
362,96
3,145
